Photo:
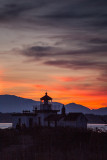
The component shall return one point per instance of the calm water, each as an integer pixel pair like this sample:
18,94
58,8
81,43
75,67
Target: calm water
102,127
5,125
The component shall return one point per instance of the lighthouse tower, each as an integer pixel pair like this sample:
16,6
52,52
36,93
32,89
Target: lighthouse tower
45,102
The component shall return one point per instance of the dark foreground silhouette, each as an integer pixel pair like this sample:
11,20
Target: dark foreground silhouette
52,144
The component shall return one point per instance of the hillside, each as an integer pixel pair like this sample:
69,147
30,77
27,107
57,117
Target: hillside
72,107
11,103
100,111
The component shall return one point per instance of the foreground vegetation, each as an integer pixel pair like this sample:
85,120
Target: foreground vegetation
52,144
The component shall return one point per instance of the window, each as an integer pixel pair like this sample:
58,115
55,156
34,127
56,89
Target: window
30,122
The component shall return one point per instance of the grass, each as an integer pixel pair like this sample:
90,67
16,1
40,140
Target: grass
52,144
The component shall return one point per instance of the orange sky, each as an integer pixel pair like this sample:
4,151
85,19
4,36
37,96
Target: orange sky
57,46
67,89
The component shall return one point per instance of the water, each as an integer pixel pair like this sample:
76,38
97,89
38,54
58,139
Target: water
5,125
102,127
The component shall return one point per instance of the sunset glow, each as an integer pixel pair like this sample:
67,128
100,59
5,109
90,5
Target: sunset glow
48,48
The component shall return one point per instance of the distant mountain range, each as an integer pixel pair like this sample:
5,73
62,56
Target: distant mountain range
72,107
11,103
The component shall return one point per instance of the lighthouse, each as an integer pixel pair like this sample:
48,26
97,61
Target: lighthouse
46,103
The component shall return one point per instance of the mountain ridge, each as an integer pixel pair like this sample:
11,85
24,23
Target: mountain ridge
12,103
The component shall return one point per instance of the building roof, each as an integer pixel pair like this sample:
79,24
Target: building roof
34,113
54,117
73,116
68,117
24,114
46,111
46,97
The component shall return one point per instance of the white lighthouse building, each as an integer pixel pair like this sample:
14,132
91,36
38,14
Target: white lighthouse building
46,117
37,117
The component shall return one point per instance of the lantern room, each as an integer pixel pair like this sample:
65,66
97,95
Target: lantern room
46,99
45,102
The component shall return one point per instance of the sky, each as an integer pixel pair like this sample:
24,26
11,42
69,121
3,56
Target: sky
56,46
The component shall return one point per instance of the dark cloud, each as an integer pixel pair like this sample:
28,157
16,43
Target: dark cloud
83,13
78,64
68,15
40,48
90,13
38,52
52,51
13,9
80,59
98,41
101,23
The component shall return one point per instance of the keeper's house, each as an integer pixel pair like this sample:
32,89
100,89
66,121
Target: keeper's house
47,117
